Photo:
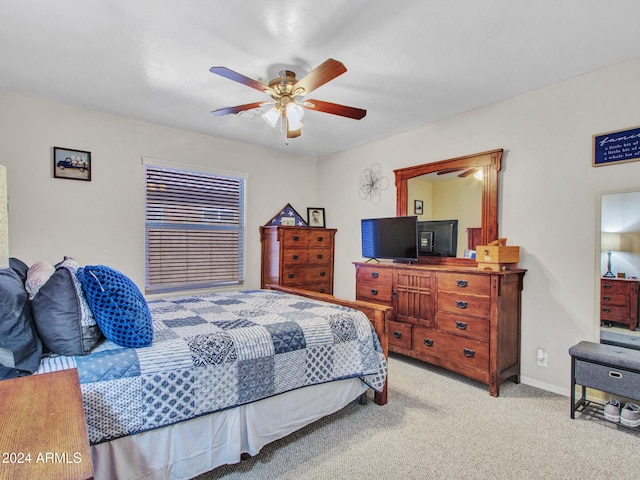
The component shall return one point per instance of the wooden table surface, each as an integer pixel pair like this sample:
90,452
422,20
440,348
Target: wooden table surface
43,434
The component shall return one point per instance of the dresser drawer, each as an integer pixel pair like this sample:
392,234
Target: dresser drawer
294,238
291,276
320,287
614,299
374,292
294,256
455,349
383,276
463,304
615,313
609,379
465,283
399,334
320,238
319,256
471,327
616,287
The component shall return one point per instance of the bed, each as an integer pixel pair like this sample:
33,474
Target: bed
225,374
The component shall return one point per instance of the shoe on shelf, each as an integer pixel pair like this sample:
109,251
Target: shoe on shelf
612,410
630,415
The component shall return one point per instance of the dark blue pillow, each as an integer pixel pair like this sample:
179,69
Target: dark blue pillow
117,305
20,346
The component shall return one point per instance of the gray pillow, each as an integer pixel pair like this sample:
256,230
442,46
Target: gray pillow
62,316
20,347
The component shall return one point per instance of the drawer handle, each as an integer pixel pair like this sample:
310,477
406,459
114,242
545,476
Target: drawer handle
319,256
613,374
374,274
606,298
461,325
468,352
323,274
461,304
606,310
397,334
296,257
322,290
374,291
428,342
296,238
291,275
321,239
462,283
607,286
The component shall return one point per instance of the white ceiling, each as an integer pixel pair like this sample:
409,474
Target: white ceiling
409,62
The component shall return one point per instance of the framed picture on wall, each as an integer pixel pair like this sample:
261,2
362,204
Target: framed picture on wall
71,164
417,207
315,217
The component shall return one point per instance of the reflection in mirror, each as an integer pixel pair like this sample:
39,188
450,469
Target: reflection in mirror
454,196
472,199
619,274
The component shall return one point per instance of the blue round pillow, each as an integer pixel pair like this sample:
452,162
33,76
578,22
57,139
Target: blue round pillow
118,306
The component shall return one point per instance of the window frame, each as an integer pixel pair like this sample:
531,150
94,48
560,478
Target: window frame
240,269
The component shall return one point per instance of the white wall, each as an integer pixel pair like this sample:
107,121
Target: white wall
548,195
102,221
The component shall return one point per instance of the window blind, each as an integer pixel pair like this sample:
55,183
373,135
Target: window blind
194,229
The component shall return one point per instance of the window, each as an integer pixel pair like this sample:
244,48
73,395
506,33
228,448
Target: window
194,229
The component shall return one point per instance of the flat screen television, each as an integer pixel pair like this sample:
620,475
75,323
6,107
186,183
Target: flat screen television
438,238
394,238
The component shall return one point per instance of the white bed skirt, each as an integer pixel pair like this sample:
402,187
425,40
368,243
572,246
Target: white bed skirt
189,448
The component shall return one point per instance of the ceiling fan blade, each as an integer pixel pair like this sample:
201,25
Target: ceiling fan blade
447,171
335,109
317,77
238,77
237,109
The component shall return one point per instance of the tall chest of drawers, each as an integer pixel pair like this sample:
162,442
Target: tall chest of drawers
461,319
300,257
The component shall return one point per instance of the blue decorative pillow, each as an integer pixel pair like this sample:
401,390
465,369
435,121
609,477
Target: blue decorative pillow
117,305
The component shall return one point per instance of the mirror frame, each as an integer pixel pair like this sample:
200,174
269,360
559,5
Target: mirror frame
490,162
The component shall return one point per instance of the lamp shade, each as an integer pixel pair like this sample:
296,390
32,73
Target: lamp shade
4,219
609,241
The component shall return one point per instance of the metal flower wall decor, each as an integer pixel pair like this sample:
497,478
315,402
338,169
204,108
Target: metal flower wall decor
372,183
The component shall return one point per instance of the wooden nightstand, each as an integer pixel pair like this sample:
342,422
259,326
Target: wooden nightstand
43,433
619,301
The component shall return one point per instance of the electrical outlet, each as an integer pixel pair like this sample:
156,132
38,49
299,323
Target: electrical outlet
541,356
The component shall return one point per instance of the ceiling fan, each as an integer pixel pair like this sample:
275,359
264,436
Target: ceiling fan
288,95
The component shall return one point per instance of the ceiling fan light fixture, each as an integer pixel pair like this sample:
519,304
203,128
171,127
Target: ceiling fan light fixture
294,116
272,116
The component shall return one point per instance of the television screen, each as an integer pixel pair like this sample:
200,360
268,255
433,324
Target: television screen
393,238
438,238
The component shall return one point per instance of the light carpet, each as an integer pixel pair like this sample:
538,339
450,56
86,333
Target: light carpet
439,425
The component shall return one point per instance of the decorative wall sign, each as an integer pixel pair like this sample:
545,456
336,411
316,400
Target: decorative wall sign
417,207
71,164
372,183
618,146
288,217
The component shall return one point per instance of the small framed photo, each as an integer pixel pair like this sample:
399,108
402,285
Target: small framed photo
315,217
417,207
71,164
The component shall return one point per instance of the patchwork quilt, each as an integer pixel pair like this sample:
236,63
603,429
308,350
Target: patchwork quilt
217,351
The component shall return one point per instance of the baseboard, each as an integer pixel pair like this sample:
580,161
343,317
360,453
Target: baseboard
546,386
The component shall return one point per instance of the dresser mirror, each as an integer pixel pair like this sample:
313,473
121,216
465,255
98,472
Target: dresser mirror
478,211
618,269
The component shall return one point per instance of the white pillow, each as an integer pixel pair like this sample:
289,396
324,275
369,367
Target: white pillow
37,275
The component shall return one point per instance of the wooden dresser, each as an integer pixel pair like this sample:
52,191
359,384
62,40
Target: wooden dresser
458,318
300,257
619,301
